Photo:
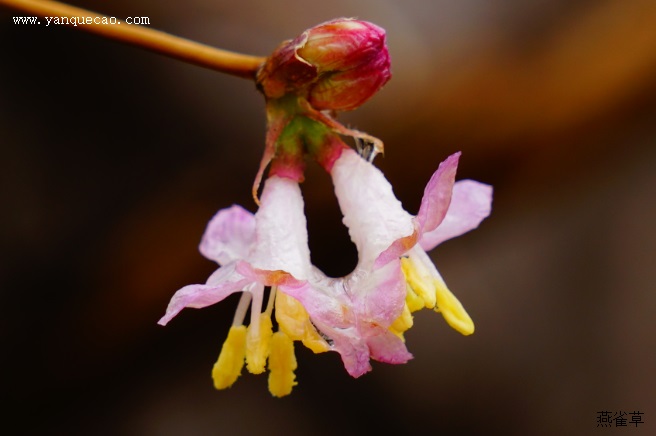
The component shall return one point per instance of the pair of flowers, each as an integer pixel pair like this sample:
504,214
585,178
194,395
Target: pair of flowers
335,66
361,316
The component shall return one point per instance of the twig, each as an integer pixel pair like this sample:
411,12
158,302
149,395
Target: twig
179,48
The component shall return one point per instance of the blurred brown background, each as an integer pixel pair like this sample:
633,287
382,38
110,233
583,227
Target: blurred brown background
114,159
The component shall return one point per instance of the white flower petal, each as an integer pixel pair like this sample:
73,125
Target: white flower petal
281,228
373,215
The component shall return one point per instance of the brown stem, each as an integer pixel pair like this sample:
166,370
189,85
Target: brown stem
179,48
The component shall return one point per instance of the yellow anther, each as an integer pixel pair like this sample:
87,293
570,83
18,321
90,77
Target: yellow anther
294,321
257,344
315,342
228,367
402,323
452,310
282,363
412,300
397,333
420,279
291,316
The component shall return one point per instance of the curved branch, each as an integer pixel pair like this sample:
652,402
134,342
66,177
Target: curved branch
236,64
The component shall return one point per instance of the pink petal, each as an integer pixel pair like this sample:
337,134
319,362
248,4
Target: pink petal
223,282
379,299
355,314
266,277
471,203
229,235
437,195
397,249
353,350
331,314
324,307
389,348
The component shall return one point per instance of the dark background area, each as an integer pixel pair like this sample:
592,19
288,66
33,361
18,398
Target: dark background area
113,159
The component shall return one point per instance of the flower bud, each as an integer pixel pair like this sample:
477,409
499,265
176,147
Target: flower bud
337,65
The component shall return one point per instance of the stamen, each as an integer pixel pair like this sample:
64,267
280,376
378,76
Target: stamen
271,300
228,367
242,308
403,323
294,321
414,301
452,310
258,341
420,279
282,364
257,290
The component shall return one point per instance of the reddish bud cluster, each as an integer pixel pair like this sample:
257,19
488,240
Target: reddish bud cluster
337,65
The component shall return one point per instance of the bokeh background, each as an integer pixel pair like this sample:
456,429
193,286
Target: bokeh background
113,159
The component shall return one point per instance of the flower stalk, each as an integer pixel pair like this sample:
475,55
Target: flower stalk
192,52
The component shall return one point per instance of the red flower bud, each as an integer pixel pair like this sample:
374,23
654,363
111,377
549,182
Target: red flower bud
337,65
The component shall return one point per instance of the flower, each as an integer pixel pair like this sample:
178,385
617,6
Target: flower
254,251
365,313
448,209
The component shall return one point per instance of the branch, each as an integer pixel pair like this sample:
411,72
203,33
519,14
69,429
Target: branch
154,40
